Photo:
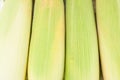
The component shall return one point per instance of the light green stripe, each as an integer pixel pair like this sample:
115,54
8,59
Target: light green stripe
108,19
82,48
45,24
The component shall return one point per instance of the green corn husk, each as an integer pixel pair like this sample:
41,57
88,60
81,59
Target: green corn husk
46,58
108,21
82,61
15,21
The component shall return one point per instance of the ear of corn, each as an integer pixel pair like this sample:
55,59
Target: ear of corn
82,61
15,20
108,20
46,58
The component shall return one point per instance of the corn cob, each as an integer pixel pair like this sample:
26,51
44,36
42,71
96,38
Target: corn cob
82,61
108,21
15,20
46,57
